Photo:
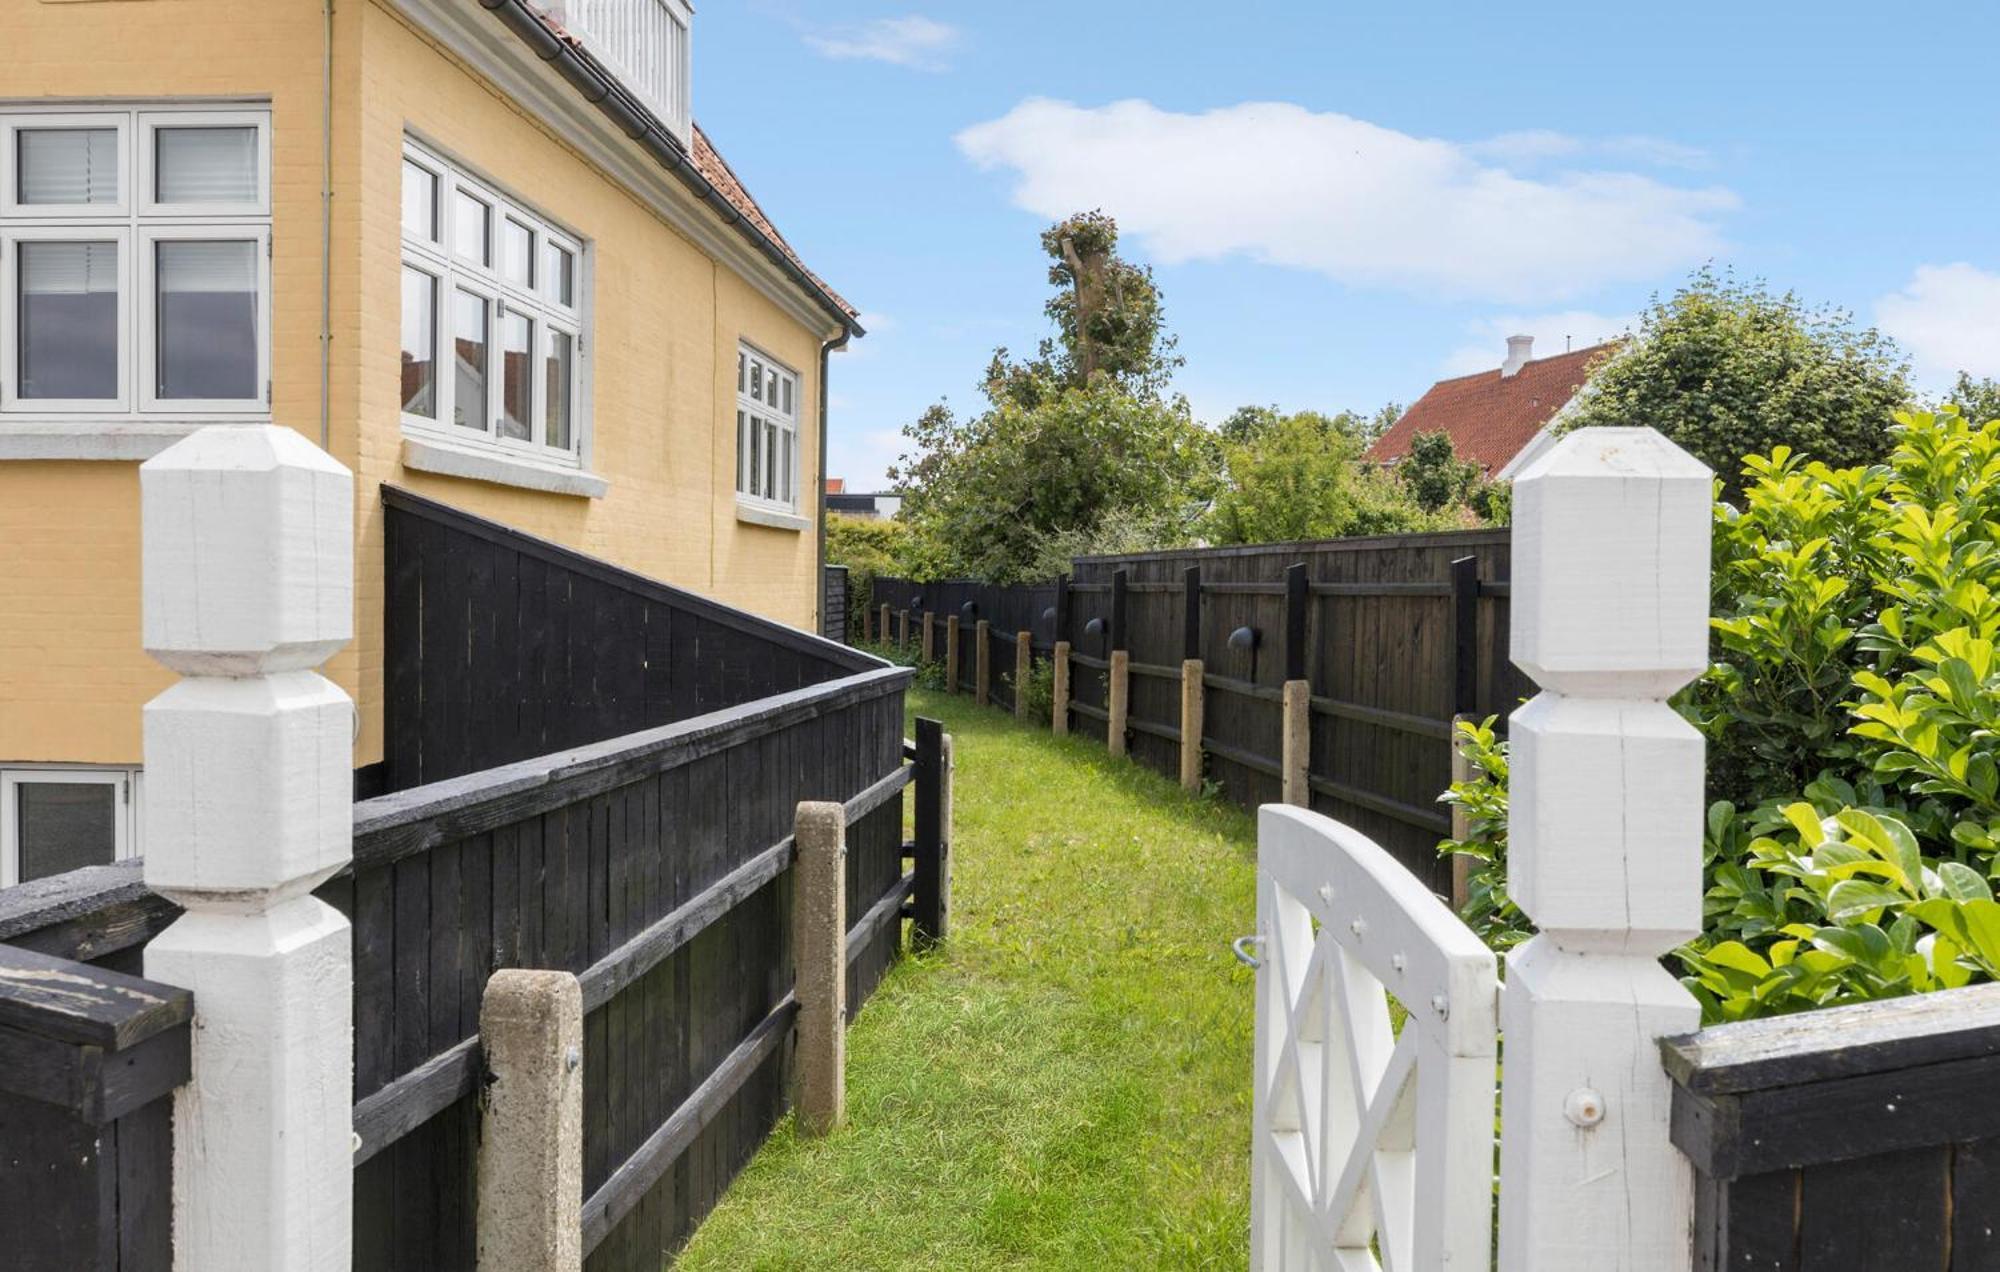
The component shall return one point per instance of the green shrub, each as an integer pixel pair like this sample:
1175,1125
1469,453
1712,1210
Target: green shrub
1038,694
1853,722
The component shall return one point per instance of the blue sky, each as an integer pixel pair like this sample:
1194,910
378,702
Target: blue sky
1344,202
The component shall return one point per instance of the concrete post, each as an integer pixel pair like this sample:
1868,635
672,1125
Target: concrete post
1118,700
885,622
248,584
1059,690
982,663
530,1208
1024,667
1610,618
951,654
1296,788
1192,704
819,951
903,629
930,646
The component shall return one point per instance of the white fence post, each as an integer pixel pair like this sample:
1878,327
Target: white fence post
248,586
1610,617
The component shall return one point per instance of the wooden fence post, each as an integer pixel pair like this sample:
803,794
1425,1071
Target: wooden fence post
1192,689
1118,704
1461,823
1024,667
1609,617
903,630
930,646
819,944
982,662
930,905
885,622
1059,690
248,585
530,1153
951,654
1295,786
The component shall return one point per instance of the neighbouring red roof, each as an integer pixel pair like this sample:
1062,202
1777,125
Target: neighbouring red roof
1490,418
836,485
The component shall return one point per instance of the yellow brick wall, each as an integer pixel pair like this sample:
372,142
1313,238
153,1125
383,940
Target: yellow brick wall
665,324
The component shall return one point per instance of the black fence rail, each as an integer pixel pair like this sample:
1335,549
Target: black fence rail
89,1060
1395,637
500,646
1852,1139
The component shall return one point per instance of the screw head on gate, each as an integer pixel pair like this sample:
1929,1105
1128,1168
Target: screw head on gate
1358,926
1584,1107
1396,961
572,1057
1326,892
1441,1005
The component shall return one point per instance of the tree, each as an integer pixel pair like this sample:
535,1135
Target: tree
1300,477
1080,432
1434,474
1977,400
868,547
1728,369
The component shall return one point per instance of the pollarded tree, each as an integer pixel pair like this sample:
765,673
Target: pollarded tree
1728,369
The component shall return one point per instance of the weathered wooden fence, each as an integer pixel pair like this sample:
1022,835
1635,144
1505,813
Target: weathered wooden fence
1391,638
655,866
834,603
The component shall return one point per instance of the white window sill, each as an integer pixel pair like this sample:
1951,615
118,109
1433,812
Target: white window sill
98,439
428,455
776,519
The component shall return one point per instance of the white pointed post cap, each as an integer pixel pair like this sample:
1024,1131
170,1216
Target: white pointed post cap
249,552
1611,555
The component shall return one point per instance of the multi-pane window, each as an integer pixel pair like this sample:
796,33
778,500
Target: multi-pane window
767,431
493,332
57,819
135,270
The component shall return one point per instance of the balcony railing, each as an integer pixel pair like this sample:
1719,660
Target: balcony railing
646,43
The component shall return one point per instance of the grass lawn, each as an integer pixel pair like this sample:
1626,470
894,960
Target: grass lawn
1067,1084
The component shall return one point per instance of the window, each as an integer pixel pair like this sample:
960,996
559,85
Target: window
495,286
54,819
767,431
135,271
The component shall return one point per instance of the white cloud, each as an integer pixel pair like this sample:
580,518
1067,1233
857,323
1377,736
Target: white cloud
1539,145
1357,202
863,456
915,41
1486,345
1948,318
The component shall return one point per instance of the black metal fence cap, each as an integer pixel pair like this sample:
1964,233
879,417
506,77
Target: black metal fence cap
1095,627
1243,639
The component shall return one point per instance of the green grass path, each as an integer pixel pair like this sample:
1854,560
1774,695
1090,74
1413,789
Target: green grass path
1067,1084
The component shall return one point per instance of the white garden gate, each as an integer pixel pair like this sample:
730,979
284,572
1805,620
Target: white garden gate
1364,1137
1374,1149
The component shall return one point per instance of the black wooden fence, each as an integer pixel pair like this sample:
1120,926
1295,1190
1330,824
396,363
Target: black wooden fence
1395,636
655,865
500,646
834,603
1853,1139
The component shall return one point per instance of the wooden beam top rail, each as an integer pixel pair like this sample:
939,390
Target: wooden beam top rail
1436,820
1381,589
879,915
1154,670
1085,660
1244,589
1094,713
69,1002
1153,586
1167,731
85,914
1255,763
387,1115
391,827
1402,721
1228,684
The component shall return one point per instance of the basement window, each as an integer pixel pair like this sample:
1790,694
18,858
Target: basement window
135,278
493,329
54,820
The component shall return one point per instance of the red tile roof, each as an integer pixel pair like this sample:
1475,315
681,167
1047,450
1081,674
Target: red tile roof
836,485
1490,418
708,161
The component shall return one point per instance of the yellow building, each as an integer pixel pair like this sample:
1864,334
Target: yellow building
291,211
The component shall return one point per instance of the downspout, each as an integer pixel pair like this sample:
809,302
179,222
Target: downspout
826,349
326,236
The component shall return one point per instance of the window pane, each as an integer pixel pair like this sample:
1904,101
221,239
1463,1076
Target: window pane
559,373
788,395
756,456
785,466
742,375
559,273
205,165
469,403
69,320
67,165
516,376
64,825
419,343
208,319
420,186
756,379
770,460
475,224
517,253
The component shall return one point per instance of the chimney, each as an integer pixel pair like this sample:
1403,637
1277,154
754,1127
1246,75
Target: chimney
1519,350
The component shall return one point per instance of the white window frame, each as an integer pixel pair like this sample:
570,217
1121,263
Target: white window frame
454,272
755,414
125,827
135,222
